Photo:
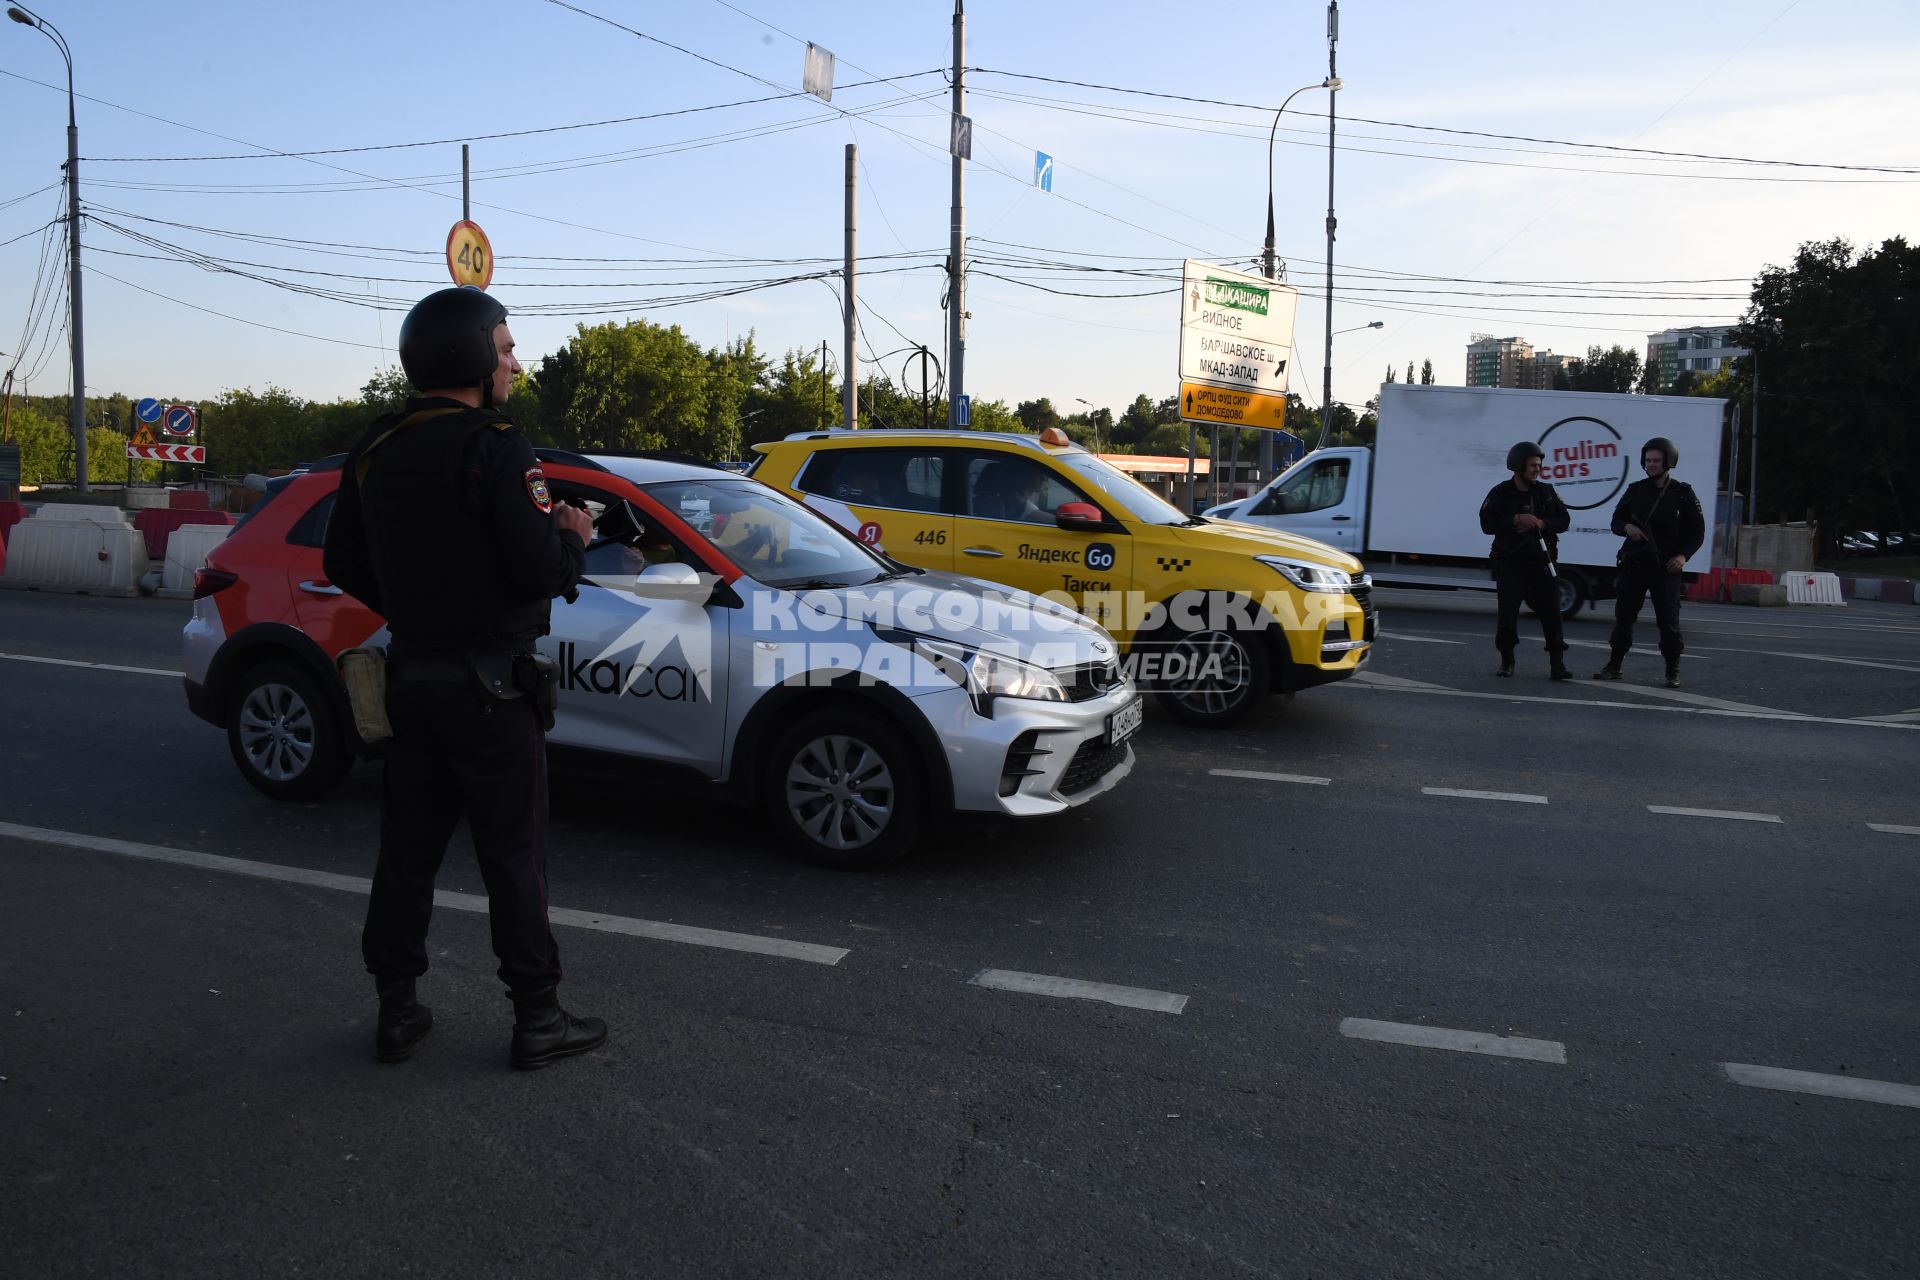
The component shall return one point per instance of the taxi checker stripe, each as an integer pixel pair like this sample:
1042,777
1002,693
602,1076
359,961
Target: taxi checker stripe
1173,564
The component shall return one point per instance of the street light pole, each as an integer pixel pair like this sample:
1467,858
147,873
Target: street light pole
1092,422
1269,259
79,412
1326,386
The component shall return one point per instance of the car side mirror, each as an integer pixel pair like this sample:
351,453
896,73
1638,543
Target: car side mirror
673,581
1083,516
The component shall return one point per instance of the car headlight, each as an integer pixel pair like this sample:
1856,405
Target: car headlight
1308,576
985,676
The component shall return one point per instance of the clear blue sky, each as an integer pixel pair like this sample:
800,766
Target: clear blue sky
1820,84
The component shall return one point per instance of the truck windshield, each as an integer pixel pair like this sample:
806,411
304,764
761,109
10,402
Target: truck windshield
1122,489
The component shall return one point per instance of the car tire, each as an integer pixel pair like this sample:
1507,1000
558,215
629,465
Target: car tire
845,789
283,733
1246,677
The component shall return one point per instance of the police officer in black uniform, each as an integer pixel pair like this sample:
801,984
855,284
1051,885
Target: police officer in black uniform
444,526
1661,520
1525,517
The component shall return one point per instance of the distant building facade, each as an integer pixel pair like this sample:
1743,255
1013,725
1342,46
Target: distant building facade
1512,362
1699,351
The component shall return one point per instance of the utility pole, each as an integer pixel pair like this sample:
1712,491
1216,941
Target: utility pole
957,252
826,417
1333,99
1753,448
849,388
466,208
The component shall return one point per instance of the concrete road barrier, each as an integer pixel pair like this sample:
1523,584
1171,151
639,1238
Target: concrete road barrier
82,549
187,552
1812,588
1766,594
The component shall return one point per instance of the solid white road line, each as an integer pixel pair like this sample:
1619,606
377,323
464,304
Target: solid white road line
1382,681
784,948
1733,815
1040,984
1458,1041
1408,635
1907,667
1513,796
95,666
1701,700
1438,691
1851,1088
1258,776
1893,830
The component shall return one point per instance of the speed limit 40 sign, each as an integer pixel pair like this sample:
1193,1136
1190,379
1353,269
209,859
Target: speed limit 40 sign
469,255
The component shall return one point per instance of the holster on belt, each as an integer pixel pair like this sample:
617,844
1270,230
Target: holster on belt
505,677
364,672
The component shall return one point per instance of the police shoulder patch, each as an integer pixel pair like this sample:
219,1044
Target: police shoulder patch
537,490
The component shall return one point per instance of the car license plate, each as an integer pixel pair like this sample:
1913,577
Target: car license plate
1125,722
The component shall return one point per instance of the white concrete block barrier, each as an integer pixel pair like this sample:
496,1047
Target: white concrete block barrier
187,552
76,548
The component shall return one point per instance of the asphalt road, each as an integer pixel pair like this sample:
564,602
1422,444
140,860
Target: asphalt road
845,1088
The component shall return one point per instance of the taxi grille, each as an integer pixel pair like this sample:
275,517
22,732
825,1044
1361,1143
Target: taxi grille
1093,680
1093,761
1363,596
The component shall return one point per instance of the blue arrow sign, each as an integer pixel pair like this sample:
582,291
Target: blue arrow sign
1043,171
148,410
179,420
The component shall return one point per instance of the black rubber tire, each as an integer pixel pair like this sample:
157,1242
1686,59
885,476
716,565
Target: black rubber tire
283,734
1245,651
1571,587
818,744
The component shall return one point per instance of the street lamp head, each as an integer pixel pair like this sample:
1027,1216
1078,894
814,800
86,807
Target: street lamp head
1376,324
22,16
1333,82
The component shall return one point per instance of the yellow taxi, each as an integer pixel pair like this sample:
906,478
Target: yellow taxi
1211,615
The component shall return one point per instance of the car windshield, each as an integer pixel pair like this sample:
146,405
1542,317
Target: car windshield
775,540
1129,494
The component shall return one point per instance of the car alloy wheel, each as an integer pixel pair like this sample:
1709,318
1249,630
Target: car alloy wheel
1222,676
840,792
277,732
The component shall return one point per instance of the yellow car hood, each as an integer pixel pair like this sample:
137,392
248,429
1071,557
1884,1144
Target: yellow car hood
1231,538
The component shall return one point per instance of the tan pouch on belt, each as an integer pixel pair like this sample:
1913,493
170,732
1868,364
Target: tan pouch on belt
364,672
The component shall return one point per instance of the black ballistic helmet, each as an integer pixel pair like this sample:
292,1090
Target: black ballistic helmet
447,339
1518,455
1666,448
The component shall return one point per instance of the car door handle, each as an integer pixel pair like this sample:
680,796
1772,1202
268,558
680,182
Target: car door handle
1340,519
988,552
313,588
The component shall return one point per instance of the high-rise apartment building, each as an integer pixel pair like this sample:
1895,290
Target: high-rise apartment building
1699,351
1511,362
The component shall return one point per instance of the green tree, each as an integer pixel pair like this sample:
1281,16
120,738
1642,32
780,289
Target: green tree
1615,369
639,385
1837,342
1426,373
1037,415
1410,372
1394,377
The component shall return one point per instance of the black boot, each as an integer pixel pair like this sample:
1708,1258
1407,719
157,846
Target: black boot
404,1021
1506,665
1673,674
1611,671
1559,671
543,1032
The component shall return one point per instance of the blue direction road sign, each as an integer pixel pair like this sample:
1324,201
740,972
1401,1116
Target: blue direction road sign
963,411
1043,171
179,420
148,410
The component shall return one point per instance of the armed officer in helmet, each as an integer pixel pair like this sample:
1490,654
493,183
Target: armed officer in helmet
1661,520
1525,518
444,525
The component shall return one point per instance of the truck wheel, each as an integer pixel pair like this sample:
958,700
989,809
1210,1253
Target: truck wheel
1572,590
1223,676
845,789
283,734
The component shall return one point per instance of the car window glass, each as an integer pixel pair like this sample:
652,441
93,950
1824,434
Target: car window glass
900,479
310,530
1003,486
1316,488
772,538
615,559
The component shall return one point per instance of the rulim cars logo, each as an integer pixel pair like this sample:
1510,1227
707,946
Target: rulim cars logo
1586,462
1232,293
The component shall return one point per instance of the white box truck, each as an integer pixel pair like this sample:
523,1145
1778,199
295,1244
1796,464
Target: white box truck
1410,505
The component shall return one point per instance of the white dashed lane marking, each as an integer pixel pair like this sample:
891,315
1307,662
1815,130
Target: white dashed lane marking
1040,984
92,666
1513,797
1732,815
1892,829
659,931
1257,776
1457,1041
1852,1088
